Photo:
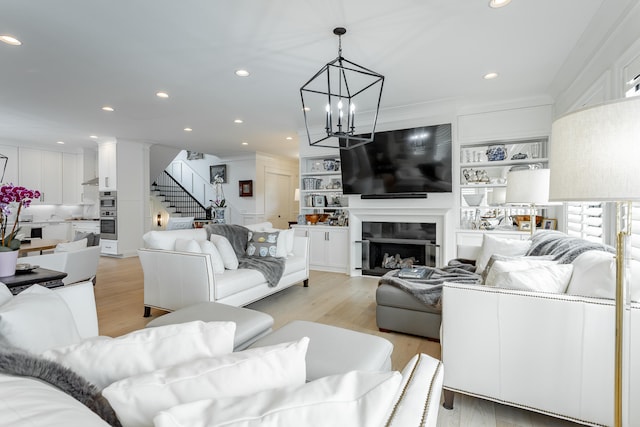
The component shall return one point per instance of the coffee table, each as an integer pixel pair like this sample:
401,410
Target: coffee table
39,276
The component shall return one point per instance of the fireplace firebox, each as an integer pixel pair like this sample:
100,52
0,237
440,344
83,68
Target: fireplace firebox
390,245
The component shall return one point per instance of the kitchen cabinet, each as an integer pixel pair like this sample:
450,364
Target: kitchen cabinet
107,166
71,179
328,247
42,170
108,247
60,230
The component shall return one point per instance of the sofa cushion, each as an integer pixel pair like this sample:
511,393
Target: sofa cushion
166,240
138,399
227,253
31,402
501,264
547,278
207,247
104,360
187,245
38,319
238,280
594,275
496,245
71,246
352,399
262,244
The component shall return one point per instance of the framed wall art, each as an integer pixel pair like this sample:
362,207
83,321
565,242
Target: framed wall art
218,170
549,224
246,188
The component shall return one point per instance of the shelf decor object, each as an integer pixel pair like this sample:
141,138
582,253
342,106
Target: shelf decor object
594,157
329,101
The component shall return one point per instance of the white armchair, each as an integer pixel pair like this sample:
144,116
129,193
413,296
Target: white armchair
79,265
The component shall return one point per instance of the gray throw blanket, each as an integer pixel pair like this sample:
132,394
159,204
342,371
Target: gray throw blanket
18,362
561,247
429,289
271,268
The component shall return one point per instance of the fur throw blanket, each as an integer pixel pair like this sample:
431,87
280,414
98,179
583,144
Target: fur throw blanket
561,247
429,288
271,268
18,362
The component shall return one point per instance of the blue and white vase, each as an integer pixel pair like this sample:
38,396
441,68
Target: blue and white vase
496,153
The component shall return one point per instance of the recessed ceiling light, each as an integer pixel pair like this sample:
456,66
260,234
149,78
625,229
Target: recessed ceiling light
490,76
498,3
242,73
107,108
245,143
162,95
188,129
60,142
10,40
237,121
289,138
93,136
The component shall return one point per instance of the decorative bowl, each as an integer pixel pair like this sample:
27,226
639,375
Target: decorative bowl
315,218
473,199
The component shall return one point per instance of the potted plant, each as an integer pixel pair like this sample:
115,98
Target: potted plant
12,196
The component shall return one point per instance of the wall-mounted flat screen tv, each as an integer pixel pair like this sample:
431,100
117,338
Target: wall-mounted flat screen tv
406,161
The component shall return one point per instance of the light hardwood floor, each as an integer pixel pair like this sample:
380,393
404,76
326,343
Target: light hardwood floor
331,298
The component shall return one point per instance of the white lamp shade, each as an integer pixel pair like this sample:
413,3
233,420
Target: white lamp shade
296,195
528,187
595,153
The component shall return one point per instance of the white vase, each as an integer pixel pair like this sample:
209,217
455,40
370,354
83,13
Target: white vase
8,261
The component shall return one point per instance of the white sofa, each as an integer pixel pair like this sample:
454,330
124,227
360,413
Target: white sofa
547,352
174,280
410,398
80,265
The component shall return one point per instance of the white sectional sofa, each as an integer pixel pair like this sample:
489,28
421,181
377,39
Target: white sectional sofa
176,279
208,386
550,352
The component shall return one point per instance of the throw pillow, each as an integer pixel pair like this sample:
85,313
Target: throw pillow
104,360
71,246
207,247
166,240
495,245
227,253
261,226
285,242
594,275
357,398
5,294
138,399
262,244
187,245
93,239
501,264
38,319
548,278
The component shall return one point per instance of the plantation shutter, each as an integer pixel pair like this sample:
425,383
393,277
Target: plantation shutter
584,220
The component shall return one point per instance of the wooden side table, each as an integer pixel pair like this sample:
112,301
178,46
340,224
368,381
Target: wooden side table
39,276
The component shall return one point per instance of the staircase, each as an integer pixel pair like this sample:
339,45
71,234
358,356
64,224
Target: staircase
176,200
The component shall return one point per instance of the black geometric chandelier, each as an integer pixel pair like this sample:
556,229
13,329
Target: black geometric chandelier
334,96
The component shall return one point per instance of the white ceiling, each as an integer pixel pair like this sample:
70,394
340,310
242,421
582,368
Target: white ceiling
78,55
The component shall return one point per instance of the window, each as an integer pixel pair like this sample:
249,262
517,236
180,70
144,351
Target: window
585,220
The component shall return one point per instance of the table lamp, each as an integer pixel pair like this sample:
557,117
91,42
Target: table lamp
528,187
594,156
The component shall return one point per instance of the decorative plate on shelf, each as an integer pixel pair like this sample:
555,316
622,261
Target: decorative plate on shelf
25,268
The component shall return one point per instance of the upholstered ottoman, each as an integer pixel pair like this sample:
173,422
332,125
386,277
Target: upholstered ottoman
250,324
400,311
334,350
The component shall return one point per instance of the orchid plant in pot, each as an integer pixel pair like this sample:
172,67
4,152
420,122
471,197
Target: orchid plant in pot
12,197
220,203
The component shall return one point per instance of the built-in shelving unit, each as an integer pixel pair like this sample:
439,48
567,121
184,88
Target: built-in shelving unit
321,185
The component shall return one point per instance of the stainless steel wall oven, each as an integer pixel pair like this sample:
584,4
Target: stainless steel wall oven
108,215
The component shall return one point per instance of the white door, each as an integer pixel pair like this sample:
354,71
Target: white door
277,195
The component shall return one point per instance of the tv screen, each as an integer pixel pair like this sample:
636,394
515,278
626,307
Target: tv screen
416,160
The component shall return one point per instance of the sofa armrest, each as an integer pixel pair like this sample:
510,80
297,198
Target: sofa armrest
549,352
54,261
173,280
81,300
